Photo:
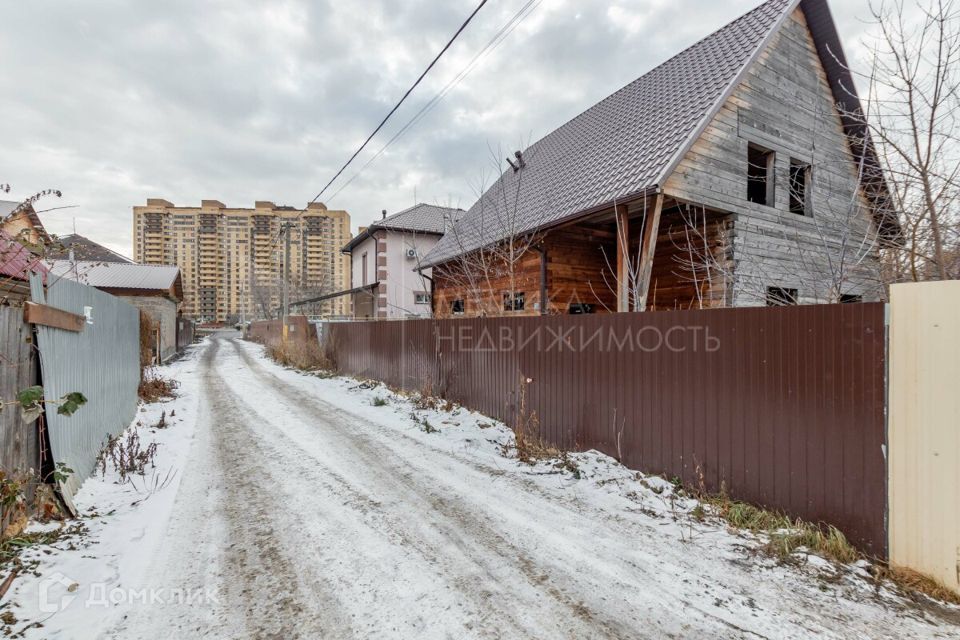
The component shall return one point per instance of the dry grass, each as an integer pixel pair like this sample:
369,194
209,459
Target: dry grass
824,540
785,535
913,581
127,455
744,516
526,430
153,387
306,357
425,398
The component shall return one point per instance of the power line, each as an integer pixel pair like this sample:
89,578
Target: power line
494,42
397,106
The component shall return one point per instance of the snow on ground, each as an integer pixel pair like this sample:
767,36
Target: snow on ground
125,522
306,506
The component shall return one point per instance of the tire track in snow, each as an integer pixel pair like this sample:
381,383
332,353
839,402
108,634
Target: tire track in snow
475,578
663,578
482,576
548,572
270,593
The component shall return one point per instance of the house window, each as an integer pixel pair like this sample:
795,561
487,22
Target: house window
799,187
515,301
421,297
457,307
363,260
781,297
577,308
850,298
760,178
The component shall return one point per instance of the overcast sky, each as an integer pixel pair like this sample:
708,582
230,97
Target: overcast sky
113,102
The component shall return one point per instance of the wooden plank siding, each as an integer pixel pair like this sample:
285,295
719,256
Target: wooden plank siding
784,104
19,442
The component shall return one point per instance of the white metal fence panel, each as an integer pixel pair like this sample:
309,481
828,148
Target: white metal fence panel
102,362
924,429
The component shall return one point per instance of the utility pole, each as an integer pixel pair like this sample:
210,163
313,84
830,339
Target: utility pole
286,276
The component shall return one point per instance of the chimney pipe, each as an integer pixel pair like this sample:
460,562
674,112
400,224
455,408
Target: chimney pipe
384,214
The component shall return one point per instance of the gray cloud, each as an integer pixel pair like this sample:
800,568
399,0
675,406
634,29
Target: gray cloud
113,102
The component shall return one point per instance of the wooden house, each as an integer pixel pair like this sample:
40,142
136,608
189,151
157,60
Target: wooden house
739,172
20,221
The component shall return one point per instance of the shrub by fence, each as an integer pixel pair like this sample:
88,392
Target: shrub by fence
782,407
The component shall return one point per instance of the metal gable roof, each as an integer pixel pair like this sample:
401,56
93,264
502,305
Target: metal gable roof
420,218
84,249
117,275
425,218
16,261
622,146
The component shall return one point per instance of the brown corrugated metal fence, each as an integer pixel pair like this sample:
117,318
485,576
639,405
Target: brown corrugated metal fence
784,407
299,330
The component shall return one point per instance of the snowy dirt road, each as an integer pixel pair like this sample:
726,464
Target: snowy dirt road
305,508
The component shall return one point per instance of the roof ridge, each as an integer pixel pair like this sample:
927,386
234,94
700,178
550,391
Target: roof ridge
423,204
671,59
624,144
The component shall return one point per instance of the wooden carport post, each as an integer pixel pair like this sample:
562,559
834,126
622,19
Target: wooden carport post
648,246
623,258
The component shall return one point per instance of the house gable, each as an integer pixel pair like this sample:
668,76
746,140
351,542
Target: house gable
785,107
24,224
784,104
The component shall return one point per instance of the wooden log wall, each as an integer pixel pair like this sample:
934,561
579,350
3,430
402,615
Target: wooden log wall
581,269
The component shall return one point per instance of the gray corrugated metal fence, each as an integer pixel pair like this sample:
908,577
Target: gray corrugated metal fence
102,362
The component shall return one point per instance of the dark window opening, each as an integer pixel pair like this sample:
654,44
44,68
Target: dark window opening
515,301
781,297
799,187
579,307
457,307
760,180
850,298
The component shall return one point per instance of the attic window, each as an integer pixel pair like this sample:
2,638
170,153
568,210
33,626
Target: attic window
760,180
457,307
799,187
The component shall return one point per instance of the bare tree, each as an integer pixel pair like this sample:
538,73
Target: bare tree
263,296
911,113
492,275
